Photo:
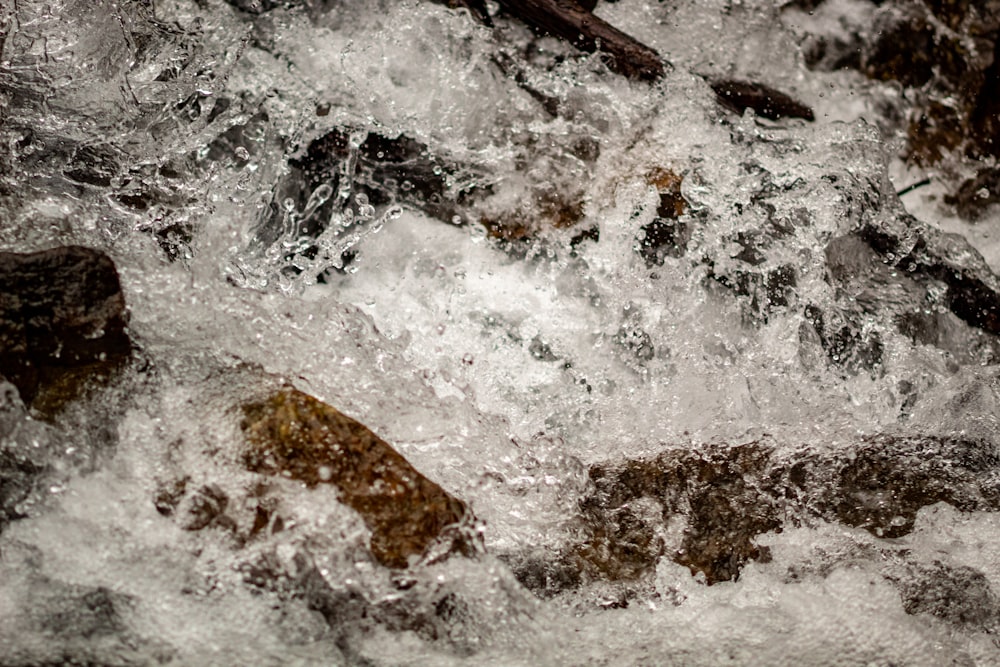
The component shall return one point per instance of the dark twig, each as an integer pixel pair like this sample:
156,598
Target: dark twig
913,186
764,100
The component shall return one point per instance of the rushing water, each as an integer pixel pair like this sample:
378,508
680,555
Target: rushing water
501,358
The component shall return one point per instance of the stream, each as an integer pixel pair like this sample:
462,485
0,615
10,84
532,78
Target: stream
703,387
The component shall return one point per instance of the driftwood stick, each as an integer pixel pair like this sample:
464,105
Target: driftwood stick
569,20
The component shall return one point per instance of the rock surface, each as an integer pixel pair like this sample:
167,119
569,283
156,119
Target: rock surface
704,508
62,322
294,435
944,53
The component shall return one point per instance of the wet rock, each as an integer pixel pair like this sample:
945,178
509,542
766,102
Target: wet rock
881,485
256,7
204,508
93,165
766,290
87,613
975,195
945,53
847,345
960,595
573,22
169,495
356,178
941,292
704,508
298,437
709,489
387,171
547,574
972,290
62,323
69,624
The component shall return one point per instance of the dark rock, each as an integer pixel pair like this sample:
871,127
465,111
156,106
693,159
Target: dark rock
907,49
296,436
93,165
945,52
206,507
973,291
19,472
87,613
847,346
881,485
62,322
635,342
540,350
387,171
361,179
168,496
264,6
941,291
711,489
547,575
573,22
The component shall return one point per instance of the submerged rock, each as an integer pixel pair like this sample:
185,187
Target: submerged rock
346,179
705,508
63,323
960,595
296,436
944,53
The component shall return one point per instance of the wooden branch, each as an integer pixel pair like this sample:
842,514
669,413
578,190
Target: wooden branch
764,100
571,21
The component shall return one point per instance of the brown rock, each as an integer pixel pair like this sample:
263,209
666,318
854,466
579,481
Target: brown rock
723,497
725,510
296,436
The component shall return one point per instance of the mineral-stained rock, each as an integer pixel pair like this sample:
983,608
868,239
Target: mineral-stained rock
725,496
724,509
62,322
296,436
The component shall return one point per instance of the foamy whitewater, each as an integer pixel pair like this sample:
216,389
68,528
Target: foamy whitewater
501,369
